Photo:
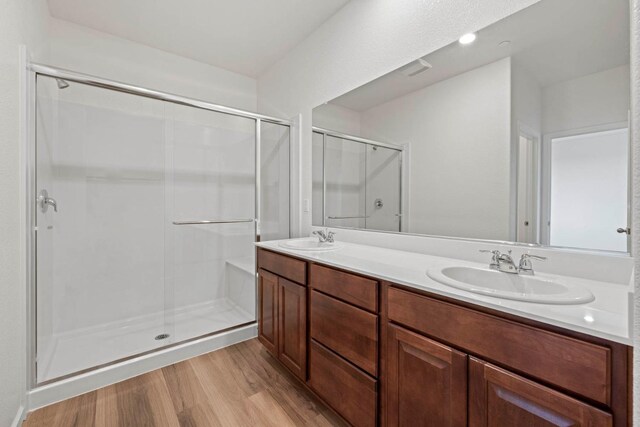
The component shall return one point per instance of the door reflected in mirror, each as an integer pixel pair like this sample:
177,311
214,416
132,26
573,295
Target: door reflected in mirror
520,135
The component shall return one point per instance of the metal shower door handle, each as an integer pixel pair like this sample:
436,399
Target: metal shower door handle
44,201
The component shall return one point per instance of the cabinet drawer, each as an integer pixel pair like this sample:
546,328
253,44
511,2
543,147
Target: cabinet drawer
574,365
348,287
500,398
282,265
345,329
349,391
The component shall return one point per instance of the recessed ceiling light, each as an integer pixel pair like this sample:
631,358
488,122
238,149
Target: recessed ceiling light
467,38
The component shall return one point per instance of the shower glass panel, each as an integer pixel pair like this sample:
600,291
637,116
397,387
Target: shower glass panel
145,222
361,184
100,156
345,182
210,198
317,179
274,181
383,188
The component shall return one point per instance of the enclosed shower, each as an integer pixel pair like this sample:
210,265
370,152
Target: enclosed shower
357,182
146,208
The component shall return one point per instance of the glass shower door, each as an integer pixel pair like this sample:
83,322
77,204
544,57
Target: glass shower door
100,218
211,202
383,188
345,183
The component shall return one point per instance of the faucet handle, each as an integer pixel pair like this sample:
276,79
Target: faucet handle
536,257
525,266
495,259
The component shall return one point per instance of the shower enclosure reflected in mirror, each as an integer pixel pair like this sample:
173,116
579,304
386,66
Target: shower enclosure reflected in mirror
521,135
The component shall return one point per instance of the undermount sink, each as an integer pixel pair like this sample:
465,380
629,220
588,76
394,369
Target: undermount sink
310,245
510,286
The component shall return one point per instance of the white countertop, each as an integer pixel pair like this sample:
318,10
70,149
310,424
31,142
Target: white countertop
608,316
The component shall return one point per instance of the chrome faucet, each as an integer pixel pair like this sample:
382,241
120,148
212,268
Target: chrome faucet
501,262
324,236
504,262
525,266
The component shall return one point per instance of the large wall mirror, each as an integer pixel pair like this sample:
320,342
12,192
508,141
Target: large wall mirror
518,132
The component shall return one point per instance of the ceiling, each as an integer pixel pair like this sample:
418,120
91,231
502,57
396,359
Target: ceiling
554,40
244,36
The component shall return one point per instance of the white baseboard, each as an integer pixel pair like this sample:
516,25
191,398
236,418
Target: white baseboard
83,383
20,416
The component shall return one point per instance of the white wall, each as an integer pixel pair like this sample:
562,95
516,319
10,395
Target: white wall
82,49
21,22
459,135
337,118
595,99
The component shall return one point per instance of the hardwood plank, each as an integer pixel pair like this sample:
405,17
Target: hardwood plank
268,411
289,393
241,385
107,407
201,415
184,386
145,401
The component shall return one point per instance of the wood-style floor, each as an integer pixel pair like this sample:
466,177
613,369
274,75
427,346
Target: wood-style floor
240,385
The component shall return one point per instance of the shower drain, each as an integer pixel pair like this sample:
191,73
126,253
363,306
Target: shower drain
162,336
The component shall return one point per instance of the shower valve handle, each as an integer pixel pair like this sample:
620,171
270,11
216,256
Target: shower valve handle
45,201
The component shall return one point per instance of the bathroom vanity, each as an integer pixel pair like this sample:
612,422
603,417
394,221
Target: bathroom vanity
404,352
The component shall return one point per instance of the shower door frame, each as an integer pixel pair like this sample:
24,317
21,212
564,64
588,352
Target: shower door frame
343,136
33,70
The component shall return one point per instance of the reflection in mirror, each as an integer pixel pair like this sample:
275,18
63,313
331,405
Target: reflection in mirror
360,181
521,135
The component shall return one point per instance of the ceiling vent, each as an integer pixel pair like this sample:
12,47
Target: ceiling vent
415,67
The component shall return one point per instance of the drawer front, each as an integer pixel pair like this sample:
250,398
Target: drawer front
574,365
348,287
349,391
501,398
345,329
282,265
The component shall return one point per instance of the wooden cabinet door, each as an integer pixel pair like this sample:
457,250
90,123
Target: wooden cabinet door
500,398
292,326
426,381
268,310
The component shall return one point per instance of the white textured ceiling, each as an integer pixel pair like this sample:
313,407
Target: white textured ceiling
554,40
244,36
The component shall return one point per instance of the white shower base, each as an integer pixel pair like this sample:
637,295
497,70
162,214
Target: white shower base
79,350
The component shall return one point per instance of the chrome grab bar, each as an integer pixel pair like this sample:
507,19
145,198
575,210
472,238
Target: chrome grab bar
348,217
215,221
